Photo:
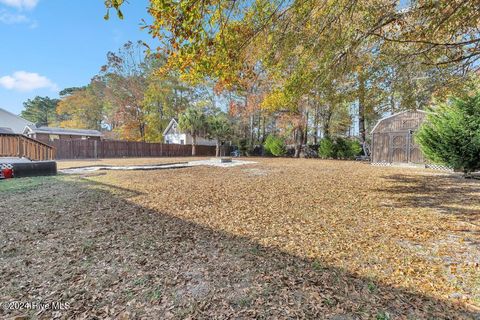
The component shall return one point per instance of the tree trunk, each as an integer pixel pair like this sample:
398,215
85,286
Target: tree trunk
361,107
259,127
263,130
326,125
298,141
252,132
194,145
315,124
142,131
305,136
217,149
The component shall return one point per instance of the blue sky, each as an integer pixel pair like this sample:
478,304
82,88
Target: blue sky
48,45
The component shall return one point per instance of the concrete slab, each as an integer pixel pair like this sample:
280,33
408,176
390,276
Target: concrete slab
210,162
14,160
221,160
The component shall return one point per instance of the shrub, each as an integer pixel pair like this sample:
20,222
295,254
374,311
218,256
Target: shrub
340,148
326,149
243,146
274,146
451,135
355,148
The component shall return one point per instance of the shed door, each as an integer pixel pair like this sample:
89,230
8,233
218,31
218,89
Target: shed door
403,149
399,147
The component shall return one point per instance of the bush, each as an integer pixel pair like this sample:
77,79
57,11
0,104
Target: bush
340,148
355,148
274,146
326,149
451,135
243,146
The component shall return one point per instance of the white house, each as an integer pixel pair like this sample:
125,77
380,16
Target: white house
12,121
174,135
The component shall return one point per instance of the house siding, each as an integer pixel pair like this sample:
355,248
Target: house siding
16,123
175,138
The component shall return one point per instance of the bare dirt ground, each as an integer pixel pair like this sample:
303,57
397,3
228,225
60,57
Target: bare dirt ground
281,239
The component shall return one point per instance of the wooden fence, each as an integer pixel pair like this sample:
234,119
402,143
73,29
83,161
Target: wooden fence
15,145
92,149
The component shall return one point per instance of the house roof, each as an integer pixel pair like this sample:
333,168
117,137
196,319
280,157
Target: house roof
394,115
14,115
64,131
170,124
4,130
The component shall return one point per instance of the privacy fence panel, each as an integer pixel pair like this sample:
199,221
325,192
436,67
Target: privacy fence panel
13,145
92,149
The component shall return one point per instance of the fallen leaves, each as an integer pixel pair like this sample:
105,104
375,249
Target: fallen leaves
305,238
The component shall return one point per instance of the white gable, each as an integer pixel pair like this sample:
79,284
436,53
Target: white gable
172,128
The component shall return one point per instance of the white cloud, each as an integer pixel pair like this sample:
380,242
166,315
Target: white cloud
12,18
26,81
20,4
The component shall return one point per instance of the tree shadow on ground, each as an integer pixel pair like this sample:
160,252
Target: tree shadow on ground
120,260
449,194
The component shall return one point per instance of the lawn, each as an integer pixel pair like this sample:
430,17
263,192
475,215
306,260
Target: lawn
283,238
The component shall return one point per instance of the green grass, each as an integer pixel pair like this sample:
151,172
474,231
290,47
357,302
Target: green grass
22,185
383,316
372,288
317,266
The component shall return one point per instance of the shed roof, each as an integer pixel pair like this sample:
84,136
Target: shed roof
64,131
392,116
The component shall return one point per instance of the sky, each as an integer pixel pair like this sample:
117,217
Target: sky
49,45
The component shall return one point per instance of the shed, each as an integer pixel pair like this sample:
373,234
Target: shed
393,141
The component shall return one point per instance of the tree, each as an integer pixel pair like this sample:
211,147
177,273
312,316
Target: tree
125,81
195,34
437,33
68,91
81,109
377,55
165,97
219,128
451,134
40,110
193,121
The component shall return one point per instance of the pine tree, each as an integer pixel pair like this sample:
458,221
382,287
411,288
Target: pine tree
451,134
